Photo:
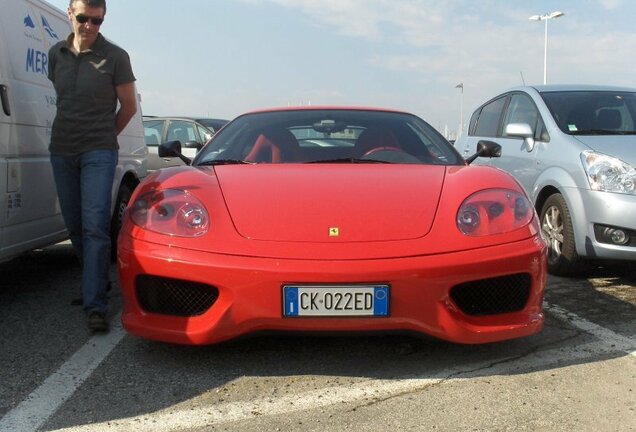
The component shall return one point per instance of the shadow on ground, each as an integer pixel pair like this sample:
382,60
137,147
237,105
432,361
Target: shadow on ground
144,377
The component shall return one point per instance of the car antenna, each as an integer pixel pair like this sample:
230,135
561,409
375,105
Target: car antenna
522,80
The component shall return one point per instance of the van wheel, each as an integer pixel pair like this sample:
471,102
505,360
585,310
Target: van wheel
123,197
556,228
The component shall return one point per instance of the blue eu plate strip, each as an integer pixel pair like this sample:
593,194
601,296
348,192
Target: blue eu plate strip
291,301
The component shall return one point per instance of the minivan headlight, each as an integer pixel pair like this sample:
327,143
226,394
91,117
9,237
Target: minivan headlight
608,174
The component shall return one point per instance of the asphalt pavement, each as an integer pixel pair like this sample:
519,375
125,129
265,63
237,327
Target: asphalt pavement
578,374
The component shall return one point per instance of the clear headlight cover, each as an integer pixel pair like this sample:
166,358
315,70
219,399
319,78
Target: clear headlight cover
171,212
494,211
608,174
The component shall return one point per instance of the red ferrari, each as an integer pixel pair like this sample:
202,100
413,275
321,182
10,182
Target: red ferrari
321,219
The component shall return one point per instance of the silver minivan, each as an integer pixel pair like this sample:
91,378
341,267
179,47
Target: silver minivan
573,148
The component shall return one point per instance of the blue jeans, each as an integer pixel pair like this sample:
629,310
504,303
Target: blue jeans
84,183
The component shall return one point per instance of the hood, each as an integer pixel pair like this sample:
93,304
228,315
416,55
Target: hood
331,203
622,147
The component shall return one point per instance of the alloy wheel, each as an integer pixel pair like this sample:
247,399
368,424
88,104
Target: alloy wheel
552,229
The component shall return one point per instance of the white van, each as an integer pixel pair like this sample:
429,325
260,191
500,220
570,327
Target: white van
30,214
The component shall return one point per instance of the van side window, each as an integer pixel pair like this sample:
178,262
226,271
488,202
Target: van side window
489,117
522,109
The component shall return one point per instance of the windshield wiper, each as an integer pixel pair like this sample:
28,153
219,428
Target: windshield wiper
602,132
349,160
226,162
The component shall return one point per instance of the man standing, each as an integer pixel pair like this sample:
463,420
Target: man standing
90,76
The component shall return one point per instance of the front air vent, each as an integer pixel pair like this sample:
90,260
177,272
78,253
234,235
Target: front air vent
174,296
493,296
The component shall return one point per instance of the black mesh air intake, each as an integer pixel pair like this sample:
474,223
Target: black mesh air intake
493,296
173,296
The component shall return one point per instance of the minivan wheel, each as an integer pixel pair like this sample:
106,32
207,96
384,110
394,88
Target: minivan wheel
556,228
123,197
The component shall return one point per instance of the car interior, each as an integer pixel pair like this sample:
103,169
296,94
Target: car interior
280,145
373,140
275,146
152,137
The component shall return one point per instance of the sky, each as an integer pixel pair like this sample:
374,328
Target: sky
221,58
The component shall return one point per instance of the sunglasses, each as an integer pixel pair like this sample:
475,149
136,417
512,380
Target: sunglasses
83,19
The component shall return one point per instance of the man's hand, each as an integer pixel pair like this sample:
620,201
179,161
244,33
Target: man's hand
128,105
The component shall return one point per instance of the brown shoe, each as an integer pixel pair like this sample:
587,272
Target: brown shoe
97,322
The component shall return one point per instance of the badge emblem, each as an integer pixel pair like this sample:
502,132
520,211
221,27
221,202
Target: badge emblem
334,232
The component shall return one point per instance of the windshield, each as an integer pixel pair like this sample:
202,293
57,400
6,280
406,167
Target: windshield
329,136
593,112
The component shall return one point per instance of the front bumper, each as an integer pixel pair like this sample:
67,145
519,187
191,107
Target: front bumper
604,208
250,292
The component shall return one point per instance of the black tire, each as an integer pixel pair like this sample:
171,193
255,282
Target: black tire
556,228
123,197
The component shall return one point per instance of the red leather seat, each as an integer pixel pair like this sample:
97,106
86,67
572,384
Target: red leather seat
275,146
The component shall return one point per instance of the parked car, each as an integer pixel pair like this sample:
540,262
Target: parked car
573,149
213,124
192,132
331,219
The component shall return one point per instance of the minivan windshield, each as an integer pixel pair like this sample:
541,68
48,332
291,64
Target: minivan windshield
593,112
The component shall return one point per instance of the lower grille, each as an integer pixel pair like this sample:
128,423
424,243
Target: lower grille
173,296
493,296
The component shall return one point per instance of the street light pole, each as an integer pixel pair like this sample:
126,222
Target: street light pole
461,109
545,54
545,18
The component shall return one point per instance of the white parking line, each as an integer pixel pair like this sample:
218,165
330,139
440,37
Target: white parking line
36,409
604,334
41,404
188,417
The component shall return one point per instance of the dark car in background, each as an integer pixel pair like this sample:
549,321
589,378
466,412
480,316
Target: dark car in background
213,124
192,132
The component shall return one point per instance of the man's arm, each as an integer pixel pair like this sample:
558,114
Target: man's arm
128,105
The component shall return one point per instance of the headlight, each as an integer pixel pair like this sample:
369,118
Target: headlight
494,211
170,211
608,174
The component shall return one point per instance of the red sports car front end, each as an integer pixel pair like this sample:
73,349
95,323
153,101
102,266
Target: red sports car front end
331,247
193,297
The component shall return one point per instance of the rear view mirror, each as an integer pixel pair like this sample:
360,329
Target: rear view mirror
329,126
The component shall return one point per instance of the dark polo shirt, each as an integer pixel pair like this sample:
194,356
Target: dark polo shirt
86,96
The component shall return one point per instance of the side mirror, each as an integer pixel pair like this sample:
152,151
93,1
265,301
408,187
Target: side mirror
485,149
193,144
521,130
173,149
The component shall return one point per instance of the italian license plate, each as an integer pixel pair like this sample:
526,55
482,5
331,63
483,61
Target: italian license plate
348,300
